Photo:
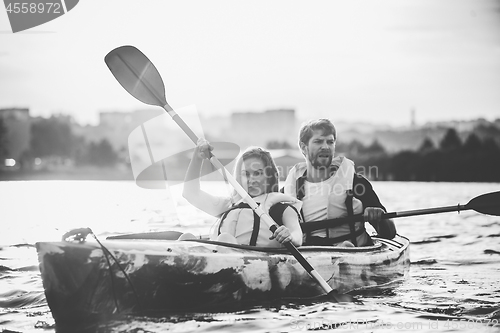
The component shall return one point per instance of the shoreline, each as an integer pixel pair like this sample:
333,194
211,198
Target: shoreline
125,174
82,173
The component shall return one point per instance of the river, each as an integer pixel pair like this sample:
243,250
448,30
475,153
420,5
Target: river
453,284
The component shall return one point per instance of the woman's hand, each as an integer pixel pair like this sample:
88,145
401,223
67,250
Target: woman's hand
192,192
204,148
282,235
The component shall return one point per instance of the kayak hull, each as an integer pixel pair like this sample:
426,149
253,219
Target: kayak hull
86,281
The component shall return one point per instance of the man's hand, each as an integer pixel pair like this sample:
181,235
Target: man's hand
385,227
373,214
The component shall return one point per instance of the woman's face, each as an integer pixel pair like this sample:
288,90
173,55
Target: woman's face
253,176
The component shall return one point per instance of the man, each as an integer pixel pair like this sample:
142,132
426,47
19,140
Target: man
330,188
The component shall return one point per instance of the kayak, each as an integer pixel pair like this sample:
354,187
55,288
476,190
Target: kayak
86,280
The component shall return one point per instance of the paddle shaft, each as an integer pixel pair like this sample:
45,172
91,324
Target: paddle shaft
256,208
426,211
310,226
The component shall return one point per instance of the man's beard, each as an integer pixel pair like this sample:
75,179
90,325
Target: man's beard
321,163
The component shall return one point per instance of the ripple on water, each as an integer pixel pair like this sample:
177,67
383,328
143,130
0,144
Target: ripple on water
424,262
21,299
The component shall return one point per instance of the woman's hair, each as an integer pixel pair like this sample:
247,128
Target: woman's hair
270,169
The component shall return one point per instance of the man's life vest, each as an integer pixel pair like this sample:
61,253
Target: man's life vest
339,202
237,222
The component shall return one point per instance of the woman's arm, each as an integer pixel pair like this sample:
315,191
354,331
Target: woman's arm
290,230
207,202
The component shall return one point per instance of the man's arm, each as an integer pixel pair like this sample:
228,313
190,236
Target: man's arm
363,191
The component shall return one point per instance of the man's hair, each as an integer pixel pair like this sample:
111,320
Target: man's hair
270,169
323,124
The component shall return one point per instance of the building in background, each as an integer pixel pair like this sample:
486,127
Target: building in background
116,126
242,128
261,128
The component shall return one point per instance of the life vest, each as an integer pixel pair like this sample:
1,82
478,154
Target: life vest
235,221
340,202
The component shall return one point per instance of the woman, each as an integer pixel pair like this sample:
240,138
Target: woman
256,172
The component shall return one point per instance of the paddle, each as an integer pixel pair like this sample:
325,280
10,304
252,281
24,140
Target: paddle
488,203
164,235
137,74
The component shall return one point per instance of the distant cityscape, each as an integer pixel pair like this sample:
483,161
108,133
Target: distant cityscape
31,145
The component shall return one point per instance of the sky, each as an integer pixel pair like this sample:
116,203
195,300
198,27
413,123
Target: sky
371,61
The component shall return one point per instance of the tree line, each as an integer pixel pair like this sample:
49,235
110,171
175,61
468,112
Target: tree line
3,140
54,138
453,160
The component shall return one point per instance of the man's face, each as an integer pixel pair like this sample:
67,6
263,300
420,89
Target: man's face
320,149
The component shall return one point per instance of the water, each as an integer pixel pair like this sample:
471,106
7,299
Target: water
453,285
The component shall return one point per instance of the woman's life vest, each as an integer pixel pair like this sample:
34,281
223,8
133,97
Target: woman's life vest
329,199
242,222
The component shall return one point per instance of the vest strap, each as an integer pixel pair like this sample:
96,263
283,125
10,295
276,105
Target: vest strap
276,213
350,212
255,231
300,185
223,217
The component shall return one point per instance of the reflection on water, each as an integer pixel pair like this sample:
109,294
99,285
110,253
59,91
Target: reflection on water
454,274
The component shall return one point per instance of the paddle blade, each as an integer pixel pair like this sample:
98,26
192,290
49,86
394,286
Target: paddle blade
162,235
137,74
488,203
333,296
